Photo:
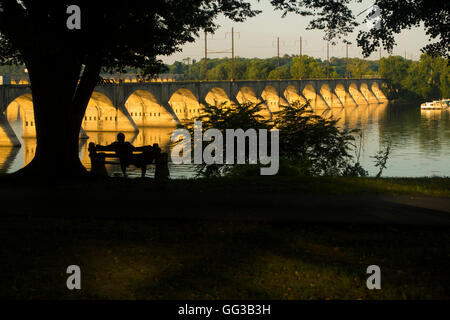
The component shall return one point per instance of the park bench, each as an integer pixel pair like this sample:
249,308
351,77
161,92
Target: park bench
142,156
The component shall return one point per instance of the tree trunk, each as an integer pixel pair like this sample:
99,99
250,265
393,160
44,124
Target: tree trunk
59,102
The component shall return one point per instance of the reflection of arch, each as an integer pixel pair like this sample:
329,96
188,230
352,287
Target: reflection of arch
103,138
185,104
7,157
145,110
151,135
217,96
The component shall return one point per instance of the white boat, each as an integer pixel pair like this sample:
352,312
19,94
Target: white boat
436,105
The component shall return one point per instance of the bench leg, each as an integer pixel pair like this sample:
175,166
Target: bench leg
98,167
124,169
162,168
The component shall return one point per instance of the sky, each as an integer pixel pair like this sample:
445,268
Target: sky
257,37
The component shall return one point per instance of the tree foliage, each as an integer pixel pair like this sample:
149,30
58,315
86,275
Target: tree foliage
426,79
258,69
315,144
225,116
432,15
309,144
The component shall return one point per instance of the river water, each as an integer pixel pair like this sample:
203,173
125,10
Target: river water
420,141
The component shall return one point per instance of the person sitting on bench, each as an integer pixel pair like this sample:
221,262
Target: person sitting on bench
124,150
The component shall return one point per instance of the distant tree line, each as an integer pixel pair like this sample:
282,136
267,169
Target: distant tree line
261,69
426,79
12,70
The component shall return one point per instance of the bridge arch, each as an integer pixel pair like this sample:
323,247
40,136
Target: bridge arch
367,92
145,110
100,114
378,92
328,95
217,96
185,104
356,94
344,97
292,95
273,100
20,109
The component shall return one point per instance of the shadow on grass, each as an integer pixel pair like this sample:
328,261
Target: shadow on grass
220,260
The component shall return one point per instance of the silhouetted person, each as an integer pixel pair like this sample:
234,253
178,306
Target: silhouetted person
124,150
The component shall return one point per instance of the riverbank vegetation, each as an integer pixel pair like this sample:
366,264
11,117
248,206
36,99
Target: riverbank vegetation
309,144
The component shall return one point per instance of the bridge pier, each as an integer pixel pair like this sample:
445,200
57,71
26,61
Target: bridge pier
7,136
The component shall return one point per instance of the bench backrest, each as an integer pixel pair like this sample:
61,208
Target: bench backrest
153,152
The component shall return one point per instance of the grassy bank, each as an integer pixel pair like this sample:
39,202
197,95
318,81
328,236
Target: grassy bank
221,260
424,186
125,257
433,187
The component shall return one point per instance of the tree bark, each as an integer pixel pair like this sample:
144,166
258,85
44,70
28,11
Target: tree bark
60,99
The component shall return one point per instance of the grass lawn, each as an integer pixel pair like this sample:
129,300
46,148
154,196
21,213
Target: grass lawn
224,259
427,186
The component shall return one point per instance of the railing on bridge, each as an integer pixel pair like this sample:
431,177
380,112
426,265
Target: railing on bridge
133,78
24,79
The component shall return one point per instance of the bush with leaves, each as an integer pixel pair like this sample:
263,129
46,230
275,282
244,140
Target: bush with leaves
226,116
381,159
309,144
315,144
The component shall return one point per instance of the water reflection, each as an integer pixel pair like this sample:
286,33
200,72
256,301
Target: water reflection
420,140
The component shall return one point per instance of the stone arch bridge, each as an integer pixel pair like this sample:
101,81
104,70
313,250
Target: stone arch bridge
127,106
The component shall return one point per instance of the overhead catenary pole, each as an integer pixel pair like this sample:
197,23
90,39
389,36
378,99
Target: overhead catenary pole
232,54
278,57
346,62
379,67
328,59
301,59
206,56
188,59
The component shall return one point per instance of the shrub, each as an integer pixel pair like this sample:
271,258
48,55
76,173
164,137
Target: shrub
315,144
